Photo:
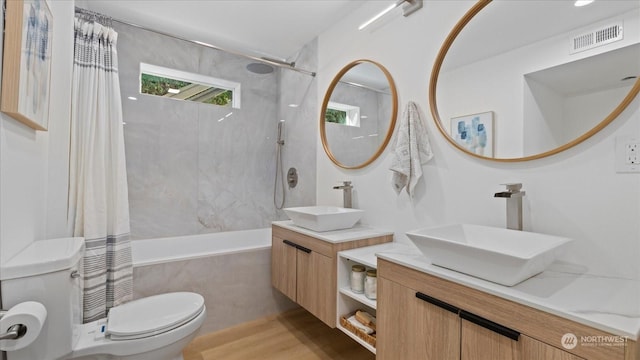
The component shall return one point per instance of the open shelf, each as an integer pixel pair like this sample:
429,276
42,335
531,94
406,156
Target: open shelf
358,297
349,301
356,338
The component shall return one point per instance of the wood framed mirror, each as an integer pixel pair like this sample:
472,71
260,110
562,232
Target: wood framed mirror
533,91
358,114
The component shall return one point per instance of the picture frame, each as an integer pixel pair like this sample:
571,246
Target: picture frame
26,71
474,133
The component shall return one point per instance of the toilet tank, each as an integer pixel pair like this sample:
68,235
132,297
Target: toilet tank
47,271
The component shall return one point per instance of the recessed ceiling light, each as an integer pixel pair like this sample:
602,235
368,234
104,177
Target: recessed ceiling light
132,98
293,105
579,3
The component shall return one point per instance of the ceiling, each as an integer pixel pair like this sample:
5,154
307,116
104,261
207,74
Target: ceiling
586,75
273,28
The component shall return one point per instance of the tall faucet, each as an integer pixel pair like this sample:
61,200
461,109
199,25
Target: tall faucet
514,195
346,188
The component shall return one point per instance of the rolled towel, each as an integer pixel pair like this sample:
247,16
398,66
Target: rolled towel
367,330
366,319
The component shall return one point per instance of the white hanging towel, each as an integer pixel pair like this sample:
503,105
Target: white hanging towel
412,149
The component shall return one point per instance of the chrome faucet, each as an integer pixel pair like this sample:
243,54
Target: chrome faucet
514,195
346,188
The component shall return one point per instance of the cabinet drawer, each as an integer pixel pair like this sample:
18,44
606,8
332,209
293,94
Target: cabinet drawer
305,241
537,324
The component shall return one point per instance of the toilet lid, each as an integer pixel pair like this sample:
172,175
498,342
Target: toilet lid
153,315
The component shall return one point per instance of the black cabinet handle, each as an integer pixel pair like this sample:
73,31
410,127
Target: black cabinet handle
299,247
437,302
290,243
488,324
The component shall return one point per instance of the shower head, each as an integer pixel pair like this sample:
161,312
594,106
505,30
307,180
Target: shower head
260,68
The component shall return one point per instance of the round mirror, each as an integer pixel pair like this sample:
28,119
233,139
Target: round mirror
358,114
508,86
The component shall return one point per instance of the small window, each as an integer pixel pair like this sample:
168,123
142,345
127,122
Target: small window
182,85
342,114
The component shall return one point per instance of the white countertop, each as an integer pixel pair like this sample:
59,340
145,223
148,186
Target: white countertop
357,232
606,303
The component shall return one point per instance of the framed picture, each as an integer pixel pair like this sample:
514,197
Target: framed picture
474,132
26,72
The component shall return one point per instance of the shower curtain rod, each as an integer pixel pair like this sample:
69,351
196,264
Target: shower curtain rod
365,87
266,60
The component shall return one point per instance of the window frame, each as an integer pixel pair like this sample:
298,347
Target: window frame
161,71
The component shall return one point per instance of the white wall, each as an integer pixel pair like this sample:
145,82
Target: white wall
34,164
576,193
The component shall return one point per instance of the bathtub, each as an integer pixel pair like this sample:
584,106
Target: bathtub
231,270
179,248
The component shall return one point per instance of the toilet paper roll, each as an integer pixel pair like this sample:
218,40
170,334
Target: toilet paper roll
30,314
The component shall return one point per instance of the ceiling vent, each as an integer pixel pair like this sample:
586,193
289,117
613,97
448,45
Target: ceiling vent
595,38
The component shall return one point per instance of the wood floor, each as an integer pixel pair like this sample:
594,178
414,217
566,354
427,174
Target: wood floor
295,334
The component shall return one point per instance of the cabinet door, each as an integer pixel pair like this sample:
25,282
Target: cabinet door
411,328
533,349
283,267
316,290
480,343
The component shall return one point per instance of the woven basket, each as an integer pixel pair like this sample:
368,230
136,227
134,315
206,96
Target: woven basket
369,339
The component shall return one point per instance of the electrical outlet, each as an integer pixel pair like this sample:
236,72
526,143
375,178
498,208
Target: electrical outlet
631,153
627,154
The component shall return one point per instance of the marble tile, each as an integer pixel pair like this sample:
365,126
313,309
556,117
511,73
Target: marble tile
161,167
237,287
196,168
301,127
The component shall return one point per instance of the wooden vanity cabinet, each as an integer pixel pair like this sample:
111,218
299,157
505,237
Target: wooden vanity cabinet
315,285
304,268
284,262
410,328
479,343
421,316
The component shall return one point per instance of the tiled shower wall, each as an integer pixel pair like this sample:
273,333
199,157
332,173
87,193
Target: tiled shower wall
190,173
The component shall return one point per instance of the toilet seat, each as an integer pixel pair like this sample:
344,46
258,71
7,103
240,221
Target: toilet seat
92,344
152,315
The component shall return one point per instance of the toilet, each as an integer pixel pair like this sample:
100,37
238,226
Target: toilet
153,328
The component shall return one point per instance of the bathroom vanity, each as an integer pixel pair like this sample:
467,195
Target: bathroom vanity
304,263
428,312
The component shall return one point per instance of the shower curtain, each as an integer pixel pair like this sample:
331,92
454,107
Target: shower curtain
98,195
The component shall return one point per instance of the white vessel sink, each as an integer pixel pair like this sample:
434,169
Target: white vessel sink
324,218
503,256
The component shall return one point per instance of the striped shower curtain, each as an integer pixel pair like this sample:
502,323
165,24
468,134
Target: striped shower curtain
98,195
